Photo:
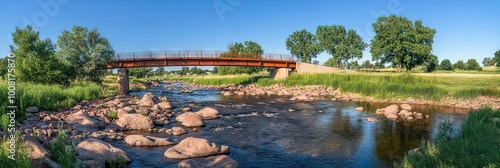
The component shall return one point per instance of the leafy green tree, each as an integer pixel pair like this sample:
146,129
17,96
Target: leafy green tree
446,65
487,61
496,59
303,45
401,42
141,72
432,63
85,52
472,64
379,65
341,44
3,67
460,65
315,62
160,71
353,65
184,71
331,62
35,60
367,65
197,71
248,49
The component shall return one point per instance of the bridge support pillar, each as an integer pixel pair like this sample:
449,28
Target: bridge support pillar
279,73
123,82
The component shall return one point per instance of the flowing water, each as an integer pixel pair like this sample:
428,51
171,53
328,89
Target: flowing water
262,133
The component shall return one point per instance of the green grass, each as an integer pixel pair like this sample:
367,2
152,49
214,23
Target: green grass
112,114
21,153
475,144
62,152
46,97
117,163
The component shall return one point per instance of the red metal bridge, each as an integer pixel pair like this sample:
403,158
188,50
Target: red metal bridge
200,58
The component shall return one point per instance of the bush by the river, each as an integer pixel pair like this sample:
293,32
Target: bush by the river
475,144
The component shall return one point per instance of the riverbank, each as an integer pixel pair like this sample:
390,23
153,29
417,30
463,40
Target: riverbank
468,91
475,144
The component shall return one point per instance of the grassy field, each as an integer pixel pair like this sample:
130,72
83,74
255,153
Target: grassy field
379,85
475,144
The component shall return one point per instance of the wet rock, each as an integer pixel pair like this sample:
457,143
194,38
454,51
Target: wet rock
164,105
190,119
391,116
176,131
186,109
405,106
32,110
95,153
81,122
47,118
228,94
302,98
149,100
141,140
107,135
371,119
195,147
291,110
359,109
219,161
135,122
208,113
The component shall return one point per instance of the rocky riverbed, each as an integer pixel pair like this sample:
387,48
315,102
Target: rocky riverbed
192,125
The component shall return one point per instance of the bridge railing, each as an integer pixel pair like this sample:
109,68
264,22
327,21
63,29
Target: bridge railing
197,54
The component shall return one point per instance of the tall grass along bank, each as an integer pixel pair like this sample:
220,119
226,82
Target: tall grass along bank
46,97
475,144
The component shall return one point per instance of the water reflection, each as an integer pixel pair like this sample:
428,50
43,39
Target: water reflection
336,137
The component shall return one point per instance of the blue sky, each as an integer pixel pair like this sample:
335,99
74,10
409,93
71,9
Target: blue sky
465,28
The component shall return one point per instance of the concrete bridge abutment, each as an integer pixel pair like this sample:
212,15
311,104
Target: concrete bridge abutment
123,81
279,73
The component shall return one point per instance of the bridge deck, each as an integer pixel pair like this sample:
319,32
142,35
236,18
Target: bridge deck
199,58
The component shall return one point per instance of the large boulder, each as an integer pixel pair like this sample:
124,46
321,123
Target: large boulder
392,109
37,151
405,107
95,153
149,100
141,140
190,119
219,161
176,131
135,122
126,110
208,113
195,147
164,105
82,122
32,110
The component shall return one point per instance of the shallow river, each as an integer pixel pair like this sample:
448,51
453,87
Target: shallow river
262,133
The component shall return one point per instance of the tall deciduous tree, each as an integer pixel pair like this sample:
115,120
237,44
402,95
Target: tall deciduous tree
35,60
303,45
341,44
85,52
487,61
496,58
367,65
401,42
248,49
3,67
432,63
472,64
446,65
460,65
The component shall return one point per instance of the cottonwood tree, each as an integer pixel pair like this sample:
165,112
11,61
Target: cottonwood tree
3,67
303,45
367,65
248,49
496,59
35,60
86,52
341,44
460,65
401,42
446,65
432,63
472,64
487,61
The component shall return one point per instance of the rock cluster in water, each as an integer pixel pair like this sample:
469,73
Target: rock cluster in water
89,122
405,114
